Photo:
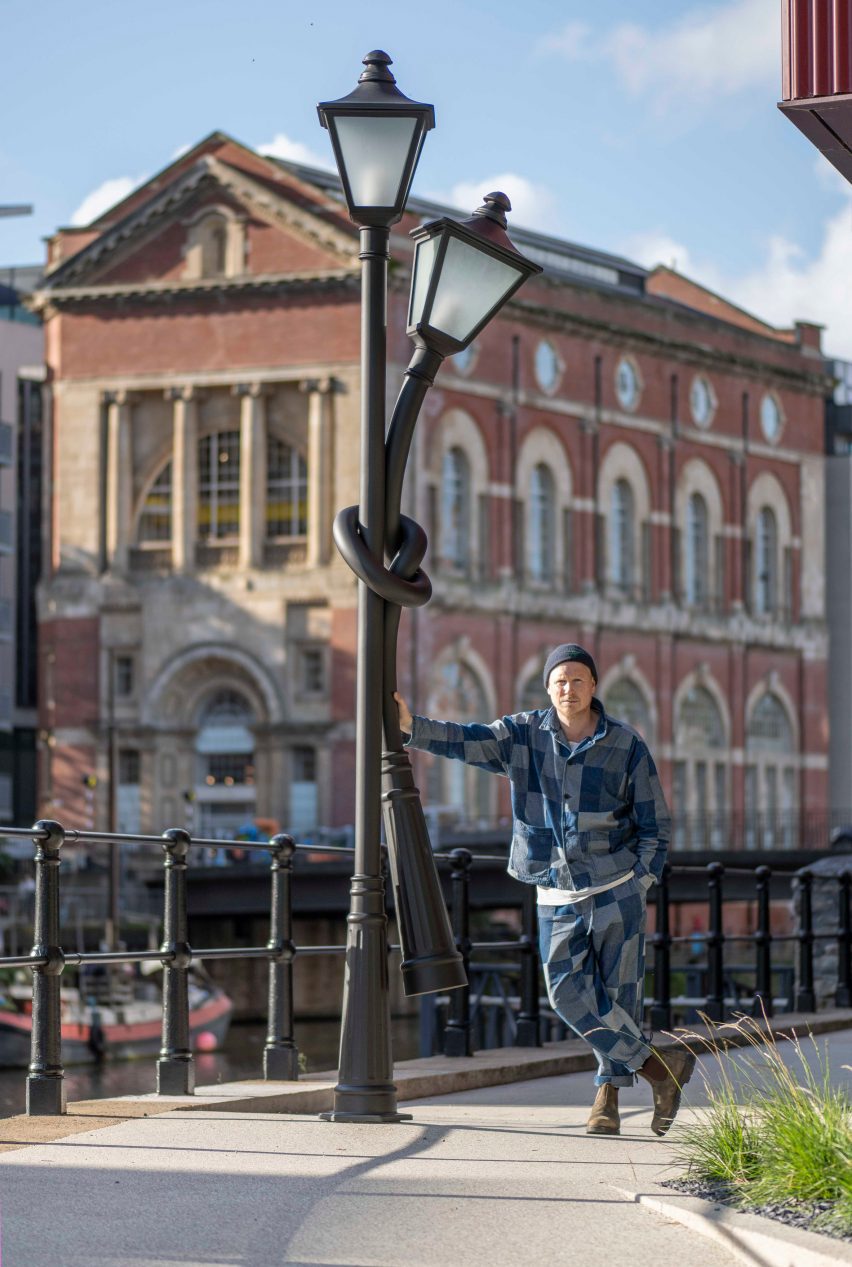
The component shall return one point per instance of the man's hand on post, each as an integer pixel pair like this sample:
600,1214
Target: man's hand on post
405,719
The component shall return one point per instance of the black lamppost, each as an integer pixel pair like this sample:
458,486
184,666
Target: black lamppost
463,274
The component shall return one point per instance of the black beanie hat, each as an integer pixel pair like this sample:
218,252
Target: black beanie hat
568,651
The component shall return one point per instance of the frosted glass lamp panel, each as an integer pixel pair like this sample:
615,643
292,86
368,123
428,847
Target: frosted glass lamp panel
424,258
471,285
375,156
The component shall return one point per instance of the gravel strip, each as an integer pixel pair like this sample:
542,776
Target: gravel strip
811,1217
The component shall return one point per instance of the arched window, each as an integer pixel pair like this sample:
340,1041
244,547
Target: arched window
225,796
769,729
459,791
217,255
155,519
622,536
286,491
771,796
697,559
532,694
625,702
542,534
219,486
455,509
700,773
766,563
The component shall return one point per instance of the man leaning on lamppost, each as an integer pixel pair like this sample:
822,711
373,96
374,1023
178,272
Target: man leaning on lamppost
463,274
591,830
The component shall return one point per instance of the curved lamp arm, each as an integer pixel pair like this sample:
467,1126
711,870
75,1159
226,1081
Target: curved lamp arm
431,960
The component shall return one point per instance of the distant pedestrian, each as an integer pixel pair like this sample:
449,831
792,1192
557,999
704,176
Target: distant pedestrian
591,829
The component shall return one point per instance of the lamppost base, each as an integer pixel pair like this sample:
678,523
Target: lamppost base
373,1102
341,1115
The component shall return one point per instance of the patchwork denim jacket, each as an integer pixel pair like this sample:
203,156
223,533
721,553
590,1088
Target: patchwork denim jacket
580,818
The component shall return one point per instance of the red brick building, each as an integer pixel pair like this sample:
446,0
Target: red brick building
622,459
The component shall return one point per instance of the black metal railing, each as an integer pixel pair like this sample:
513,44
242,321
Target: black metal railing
719,1001
506,988
175,1065
712,987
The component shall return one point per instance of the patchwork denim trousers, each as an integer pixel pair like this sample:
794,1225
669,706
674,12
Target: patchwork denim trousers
593,952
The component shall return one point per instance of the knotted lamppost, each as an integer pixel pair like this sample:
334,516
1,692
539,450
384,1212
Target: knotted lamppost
463,273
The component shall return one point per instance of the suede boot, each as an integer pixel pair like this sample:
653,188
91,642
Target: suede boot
604,1119
679,1065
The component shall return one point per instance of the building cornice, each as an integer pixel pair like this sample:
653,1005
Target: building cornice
808,637
815,382
147,291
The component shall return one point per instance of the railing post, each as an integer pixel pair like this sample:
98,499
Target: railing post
715,1005
280,1054
805,996
458,1040
762,1005
661,1006
175,1066
528,1032
843,993
46,1078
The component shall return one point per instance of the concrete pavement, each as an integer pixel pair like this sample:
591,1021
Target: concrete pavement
493,1177
502,1175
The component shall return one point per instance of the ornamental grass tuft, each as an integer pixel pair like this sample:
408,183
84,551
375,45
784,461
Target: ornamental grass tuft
775,1136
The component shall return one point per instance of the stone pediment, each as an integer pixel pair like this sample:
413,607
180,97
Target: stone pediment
169,239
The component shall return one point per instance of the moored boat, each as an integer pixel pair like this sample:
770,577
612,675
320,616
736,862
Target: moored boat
119,1028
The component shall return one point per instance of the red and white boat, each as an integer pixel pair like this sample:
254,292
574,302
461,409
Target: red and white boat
121,1027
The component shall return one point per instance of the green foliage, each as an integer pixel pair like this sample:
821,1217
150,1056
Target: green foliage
779,1135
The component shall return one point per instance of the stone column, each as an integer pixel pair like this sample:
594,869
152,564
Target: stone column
184,477
252,473
119,479
320,393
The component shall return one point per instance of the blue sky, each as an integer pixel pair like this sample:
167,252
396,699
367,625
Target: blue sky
646,129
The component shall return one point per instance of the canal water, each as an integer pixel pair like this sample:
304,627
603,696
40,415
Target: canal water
240,1057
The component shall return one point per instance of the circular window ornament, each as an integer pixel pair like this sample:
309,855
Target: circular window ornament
548,366
627,384
464,361
770,418
702,401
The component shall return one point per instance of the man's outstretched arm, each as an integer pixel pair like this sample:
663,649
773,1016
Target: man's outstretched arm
488,747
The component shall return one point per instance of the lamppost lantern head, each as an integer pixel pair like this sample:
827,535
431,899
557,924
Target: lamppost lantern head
377,134
463,274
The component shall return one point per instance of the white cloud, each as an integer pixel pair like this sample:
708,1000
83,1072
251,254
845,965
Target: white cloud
282,146
102,198
572,41
533,205
710,51
785,285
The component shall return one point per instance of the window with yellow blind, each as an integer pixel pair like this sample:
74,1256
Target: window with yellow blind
286,491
